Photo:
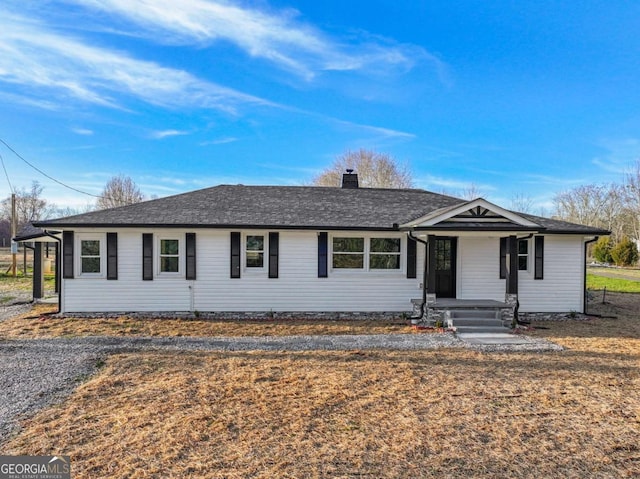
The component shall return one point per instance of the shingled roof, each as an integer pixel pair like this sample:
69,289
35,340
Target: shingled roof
282,207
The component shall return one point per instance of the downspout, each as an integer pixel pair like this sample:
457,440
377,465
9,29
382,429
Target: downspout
584,276
424,275
58,273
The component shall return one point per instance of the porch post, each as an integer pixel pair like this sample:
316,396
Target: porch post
38,271
512,265
431,264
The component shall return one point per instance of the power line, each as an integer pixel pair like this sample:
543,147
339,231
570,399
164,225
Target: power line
6,174
43,173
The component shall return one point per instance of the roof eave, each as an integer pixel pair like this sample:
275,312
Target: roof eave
221,226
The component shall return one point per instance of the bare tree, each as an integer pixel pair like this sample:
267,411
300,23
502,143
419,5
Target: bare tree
593,205
471,192
119,191
521,203
375,170
30,206
631,195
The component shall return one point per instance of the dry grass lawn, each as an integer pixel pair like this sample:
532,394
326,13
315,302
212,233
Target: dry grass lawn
34,325
449,413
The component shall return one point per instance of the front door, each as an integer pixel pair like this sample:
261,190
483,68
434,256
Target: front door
445,266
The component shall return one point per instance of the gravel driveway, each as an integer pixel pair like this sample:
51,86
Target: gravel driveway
40,372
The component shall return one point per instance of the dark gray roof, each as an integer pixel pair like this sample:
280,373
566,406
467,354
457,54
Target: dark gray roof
30,232
293,207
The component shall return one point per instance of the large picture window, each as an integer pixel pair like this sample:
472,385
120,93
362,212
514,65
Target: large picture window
254,251
169,256
90,261
366,253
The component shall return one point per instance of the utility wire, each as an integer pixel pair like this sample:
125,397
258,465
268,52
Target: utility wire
6,174
43,173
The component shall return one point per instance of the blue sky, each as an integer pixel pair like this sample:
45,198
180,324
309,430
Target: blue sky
519,98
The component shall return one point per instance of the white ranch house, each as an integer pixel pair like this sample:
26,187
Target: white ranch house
287,249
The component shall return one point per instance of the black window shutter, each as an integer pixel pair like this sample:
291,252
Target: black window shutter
411,257
323,248
274,248
67,254
147,256
503,258
235,254
112,255
539,258
190,239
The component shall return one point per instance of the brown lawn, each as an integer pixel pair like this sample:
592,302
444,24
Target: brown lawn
36,325
448,413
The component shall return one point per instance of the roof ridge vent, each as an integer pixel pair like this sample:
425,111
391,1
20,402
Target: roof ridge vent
350,179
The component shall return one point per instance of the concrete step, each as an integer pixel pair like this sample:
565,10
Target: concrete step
481,329
474,313
476,321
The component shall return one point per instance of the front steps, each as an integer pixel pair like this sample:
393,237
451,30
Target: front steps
476,321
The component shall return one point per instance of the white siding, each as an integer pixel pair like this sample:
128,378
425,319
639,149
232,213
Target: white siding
297,288
561,290
479,269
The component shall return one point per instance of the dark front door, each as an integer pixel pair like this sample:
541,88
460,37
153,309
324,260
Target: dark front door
445,266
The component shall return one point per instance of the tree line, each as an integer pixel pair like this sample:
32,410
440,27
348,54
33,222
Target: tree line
612,206
31,206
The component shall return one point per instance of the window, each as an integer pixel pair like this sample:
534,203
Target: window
366,253
384,253
348,253
90,256
523,255
169,256
254,251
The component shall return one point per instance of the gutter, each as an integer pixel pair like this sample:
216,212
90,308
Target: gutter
584,276
58,272
424,275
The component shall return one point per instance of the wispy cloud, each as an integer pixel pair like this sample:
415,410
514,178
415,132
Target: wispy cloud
159,135
278,36
555,181
39,59
375,130
219,141
82,131
438,182
620,155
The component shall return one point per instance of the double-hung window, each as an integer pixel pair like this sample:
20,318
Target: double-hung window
523,255
254,251
169,256
90,256
348,253
384,253
370,254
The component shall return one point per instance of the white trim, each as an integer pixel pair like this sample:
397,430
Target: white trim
265,252
366,267
102,238
529,269
444,214
158,258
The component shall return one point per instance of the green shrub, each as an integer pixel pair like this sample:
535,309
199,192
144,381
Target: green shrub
602,250
625,253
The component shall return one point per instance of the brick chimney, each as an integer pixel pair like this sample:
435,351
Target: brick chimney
350,179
